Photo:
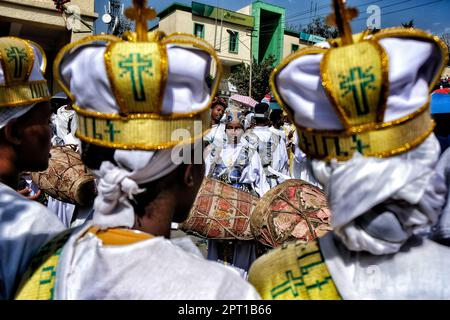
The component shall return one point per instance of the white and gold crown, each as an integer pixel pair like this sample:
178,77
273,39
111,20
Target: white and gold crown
366,93
136,92
22,64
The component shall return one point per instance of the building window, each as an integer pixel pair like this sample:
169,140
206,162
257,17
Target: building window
233,45
199,30
294,47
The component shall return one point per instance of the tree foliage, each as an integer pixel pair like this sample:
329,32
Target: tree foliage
240,78
319,27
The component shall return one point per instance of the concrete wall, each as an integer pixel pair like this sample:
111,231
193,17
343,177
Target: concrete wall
246,10
446,72
289,40
182,21
38,20
43,13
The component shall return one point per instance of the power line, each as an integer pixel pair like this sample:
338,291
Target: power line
413,7
299,17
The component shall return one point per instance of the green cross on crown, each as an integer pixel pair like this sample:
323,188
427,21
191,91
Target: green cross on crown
358,83
135,65
18,56
290,284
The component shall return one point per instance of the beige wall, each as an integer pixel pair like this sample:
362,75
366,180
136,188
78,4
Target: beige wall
288,42
446,72
39,21
181,21
43,12
246,10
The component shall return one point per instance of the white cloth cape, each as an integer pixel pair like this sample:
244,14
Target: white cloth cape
24,227
419,271
442,230
157,268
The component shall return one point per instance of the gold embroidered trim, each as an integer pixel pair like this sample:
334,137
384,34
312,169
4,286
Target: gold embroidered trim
385,140
141,133
384,90
62,53
25,94
43,67
120,88
272,80
396,32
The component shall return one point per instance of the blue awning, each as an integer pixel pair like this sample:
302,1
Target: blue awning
440,103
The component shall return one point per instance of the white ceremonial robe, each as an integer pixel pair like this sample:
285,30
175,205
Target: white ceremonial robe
63,210
25,226
280,132
153,269
66,125
302,166
216,136
403,184
252,174
277,167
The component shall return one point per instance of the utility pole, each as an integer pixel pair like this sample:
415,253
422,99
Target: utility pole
251,65
251,62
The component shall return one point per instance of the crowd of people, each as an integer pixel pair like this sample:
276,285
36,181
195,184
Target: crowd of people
356,123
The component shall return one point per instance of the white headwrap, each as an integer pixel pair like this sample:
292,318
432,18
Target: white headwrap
118,184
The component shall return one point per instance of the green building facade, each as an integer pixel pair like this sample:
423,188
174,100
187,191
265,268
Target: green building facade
268,31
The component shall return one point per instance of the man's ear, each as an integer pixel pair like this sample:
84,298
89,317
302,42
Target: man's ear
12,132
188,178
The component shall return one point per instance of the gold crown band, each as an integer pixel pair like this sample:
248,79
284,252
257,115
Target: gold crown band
140,133
382,141
24,94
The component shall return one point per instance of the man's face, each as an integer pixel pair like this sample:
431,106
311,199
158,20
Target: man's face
34,132
217,113
234,132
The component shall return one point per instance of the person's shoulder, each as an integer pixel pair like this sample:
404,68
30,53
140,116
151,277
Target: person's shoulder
17,207
223,282
251,139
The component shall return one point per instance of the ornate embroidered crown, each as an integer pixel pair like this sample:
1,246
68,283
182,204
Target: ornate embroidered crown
366,93
137,92
21,74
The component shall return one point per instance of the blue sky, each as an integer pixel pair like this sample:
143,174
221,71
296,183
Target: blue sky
430,15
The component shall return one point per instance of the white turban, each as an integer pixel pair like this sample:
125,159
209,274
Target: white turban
118,184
